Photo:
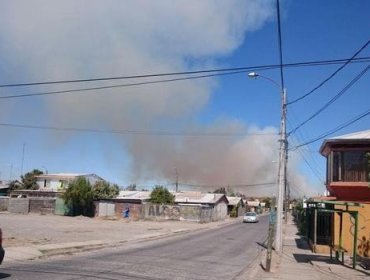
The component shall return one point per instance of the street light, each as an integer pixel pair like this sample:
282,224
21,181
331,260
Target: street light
283,156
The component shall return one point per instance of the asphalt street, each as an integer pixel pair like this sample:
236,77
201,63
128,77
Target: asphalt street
219,253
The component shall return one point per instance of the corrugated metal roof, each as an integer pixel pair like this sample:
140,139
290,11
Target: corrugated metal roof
198,197
254,203
134,195
361,137
233,200
180,197
356,135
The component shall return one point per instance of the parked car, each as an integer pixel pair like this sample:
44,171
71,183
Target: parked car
2,252
250,217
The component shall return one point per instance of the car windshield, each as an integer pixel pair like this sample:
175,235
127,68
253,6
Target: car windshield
250,214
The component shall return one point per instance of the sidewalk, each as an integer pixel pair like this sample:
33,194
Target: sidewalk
298,262
32,236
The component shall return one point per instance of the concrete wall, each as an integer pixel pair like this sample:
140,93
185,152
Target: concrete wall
105,209
219,211
363,236
4,202
19,205
184,212
135,210
42,205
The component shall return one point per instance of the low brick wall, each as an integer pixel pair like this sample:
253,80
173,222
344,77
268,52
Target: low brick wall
19,205
4,202
42,205
135,210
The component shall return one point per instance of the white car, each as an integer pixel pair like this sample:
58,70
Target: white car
250,217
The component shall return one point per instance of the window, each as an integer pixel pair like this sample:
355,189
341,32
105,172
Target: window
350,166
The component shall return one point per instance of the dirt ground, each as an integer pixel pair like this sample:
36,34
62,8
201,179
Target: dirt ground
35,229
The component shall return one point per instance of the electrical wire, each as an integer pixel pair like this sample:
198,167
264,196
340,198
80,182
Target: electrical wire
280,45
331,76
336,129
118,86
347,87
233,69
137,132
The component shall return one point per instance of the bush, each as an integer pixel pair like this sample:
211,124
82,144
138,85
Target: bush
79,196
161,195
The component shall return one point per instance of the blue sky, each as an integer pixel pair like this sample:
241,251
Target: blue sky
66,40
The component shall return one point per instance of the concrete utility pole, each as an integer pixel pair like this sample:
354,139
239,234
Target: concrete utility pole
177,180
282,175
270,238
24,147
283,157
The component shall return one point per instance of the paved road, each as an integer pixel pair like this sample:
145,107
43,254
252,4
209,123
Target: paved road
221,253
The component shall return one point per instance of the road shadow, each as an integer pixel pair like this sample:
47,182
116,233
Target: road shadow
4,275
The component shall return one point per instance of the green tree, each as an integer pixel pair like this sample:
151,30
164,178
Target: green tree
267,201
104,190
79,196
29,180
161,195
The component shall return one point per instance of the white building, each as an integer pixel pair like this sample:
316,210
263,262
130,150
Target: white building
60,181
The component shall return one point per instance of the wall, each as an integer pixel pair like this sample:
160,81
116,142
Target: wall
4,202
42,205
135,210
363,235
182,212
219,211
19,205
104,209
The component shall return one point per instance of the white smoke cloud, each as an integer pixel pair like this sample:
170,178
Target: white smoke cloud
56,40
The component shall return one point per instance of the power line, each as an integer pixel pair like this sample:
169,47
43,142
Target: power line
118,86
344,125
233,69
137,132
348,86
331,76
280,45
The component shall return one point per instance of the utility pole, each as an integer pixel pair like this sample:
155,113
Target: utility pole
283,157
282,175
177,180
270,238
11,172
24,147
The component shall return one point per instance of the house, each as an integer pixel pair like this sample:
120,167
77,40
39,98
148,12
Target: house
60,181
236,203
343,220
212,206
253,205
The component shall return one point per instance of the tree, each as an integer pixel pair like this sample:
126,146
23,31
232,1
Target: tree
161,195
220,190
267,201
104,190
29,180
79,196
